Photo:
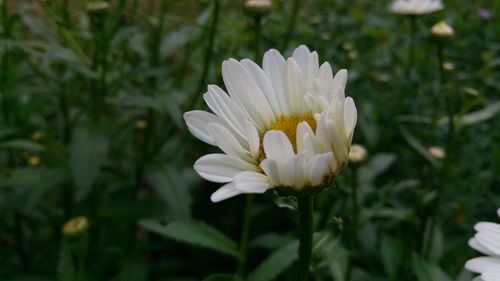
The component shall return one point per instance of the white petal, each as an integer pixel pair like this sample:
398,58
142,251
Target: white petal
221,167
263,82
277,147
273,65
293,87
339,80
294,172
490,240
227,142
197,122
225,192
302,129
483,264
253,138
487,227
301,56
222,105
325,74
339,144
318,167
242,87
350,118
252,182
311,71
491,276
475,244
270,167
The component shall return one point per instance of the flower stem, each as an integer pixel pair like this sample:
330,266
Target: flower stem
306,231
413,28
258,34
291,24
247,220
208,55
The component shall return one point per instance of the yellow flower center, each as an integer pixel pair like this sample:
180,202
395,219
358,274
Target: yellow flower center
288,125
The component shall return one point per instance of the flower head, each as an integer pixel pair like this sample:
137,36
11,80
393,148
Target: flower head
287,125
416,7
486,241
442,30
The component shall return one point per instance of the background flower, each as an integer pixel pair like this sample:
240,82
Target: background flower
416,7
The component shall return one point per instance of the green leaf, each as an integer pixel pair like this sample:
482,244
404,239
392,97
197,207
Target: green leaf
479,116
86,156
222,277
196,233
66,266
277,262
417,146
22,145
390,256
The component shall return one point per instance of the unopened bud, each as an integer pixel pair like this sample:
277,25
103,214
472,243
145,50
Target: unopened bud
448,66
75,227
357,154
442,30
97,8
34,161
258,8
437,152
471,91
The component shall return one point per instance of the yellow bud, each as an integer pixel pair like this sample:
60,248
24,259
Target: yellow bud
75,226
258,8
347,46
141,124
37,135
357,154
442,30
437,152
352,55
34,161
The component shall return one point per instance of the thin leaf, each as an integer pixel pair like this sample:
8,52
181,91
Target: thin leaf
194,232
418,147
22,145
277,262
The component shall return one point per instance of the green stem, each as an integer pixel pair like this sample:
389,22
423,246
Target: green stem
355,209
413,28
257,39
306,234
208,54
245,230
291,24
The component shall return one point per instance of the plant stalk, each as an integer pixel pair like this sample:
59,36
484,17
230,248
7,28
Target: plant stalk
245,230
306,213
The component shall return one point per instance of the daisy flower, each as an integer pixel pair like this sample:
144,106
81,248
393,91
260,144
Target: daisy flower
486,241
286,125
416,7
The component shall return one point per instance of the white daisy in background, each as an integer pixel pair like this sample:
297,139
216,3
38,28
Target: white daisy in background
287,124
416,7
486,241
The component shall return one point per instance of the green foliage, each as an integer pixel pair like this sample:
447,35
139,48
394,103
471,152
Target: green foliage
91,124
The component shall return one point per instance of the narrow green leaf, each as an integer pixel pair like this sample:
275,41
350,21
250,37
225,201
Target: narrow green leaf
194,232
278,261
22,145
415,144
479,116
86,156
222,277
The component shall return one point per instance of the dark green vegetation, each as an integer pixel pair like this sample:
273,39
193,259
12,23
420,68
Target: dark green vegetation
91,125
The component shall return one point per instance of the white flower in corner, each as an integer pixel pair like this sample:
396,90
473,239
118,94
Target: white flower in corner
286,125
416,7
486,241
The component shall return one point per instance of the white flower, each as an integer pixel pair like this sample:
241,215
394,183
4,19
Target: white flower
287,124
416,7
486,241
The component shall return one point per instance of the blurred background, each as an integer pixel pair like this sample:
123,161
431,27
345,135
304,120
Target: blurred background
92,97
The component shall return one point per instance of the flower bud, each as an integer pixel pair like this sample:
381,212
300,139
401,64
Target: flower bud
97,8
34,161
75,227
437,152
258,8
357,154
448,66
442,30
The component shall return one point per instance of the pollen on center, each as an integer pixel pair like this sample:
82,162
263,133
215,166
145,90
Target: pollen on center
288,125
